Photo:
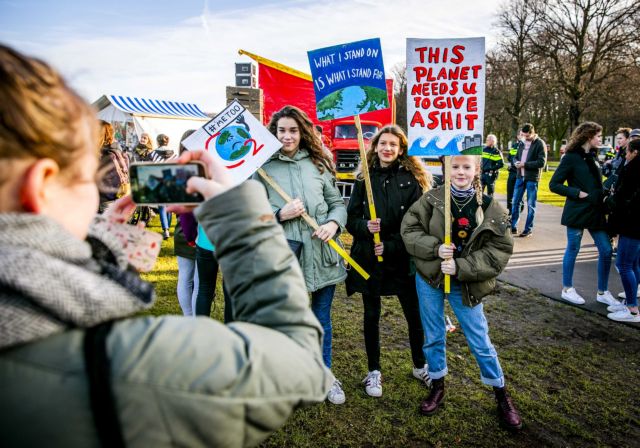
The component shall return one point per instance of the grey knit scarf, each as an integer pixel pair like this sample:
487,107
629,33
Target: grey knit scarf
51,281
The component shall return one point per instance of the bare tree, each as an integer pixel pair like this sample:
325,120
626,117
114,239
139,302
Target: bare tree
587,42
516,21
399,72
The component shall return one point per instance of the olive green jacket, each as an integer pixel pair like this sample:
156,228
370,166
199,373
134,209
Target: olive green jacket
181,381
484,257
300,178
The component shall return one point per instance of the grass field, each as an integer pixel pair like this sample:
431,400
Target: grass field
573,375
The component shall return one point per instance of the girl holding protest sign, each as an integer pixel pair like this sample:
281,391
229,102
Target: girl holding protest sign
397,181
306,173
481,247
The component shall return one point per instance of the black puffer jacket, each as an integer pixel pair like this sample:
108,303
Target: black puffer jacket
581,173
625,202
394,190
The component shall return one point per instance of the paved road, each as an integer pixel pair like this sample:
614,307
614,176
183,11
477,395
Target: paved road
537,261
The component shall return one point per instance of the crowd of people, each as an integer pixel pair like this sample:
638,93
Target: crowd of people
68,293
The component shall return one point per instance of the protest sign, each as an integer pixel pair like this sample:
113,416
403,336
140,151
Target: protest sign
445,96
237,139
348,79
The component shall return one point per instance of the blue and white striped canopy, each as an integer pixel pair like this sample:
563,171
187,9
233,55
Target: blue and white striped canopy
145,106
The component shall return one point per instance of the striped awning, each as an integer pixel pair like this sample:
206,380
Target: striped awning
146,106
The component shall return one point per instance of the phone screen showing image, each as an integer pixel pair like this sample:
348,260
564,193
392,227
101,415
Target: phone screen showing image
164,183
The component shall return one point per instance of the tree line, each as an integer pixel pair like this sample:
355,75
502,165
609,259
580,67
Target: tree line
558,63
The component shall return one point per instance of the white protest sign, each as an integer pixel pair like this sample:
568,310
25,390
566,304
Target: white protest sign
237,139
445,96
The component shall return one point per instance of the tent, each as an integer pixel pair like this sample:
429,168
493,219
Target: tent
131,116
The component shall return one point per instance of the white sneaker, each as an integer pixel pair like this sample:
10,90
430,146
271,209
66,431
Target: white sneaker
615,308
606,298
571,295
336,394
624,316
373,383
623,296
422,374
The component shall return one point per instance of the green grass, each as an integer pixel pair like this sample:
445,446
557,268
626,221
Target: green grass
572,374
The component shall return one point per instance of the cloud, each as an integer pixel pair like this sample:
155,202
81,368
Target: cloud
194,60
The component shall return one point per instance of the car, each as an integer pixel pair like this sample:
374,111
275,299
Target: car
605,153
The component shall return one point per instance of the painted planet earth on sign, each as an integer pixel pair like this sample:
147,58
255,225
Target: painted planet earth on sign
350,101
232,143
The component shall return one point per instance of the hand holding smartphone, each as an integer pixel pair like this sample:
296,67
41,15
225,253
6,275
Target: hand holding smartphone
165,183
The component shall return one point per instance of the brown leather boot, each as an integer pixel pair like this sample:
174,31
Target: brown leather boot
436,396
507,412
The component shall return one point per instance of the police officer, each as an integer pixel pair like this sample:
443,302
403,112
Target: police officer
491,164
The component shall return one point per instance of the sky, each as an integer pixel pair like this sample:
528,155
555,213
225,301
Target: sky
185,50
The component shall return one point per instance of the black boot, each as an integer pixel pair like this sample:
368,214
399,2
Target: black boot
436,396
507,412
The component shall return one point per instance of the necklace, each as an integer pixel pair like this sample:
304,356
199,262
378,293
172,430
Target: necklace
461,204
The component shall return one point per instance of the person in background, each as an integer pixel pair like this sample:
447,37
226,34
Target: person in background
480,250
307,175
397,181
529,161
114,167
159,155
492,162
78,366
144,148
583,209
184,247
513,172
622,140
625,207
563,149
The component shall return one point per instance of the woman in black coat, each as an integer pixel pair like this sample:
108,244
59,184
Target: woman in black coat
397,181
625,203
583,209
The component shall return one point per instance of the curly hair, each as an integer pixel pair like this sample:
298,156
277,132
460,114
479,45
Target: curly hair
40,115
581,135
412,164
308,138
107,134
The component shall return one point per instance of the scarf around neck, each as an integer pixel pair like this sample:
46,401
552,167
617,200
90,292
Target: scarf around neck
50,281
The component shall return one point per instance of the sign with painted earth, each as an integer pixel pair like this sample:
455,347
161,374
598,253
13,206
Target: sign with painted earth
445,96
237,139
348,79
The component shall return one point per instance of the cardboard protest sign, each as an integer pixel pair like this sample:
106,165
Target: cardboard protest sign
445,96
237,139
348,79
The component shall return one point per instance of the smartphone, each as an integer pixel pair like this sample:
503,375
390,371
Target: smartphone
164,183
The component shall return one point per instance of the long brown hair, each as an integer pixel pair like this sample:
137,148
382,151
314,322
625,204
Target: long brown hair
308,138
40,115
412,164
107,134
581,135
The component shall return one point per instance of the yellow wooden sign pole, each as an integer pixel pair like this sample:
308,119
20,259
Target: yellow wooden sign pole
367,179
447,214
313,224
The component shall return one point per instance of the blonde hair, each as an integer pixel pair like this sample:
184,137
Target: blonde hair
40,116
412,164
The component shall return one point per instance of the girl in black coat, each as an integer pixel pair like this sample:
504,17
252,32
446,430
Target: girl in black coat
583,209
625,203
397,181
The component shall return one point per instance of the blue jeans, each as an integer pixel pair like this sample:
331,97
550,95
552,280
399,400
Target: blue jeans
321,301
628,264
187,288
518,195
165,218
474,326
574,237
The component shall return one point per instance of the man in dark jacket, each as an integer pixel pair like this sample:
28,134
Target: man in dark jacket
529,161
513,173
491,164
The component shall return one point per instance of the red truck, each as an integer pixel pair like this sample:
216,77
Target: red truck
282,85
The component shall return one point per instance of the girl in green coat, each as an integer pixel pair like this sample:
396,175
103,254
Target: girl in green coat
307,174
